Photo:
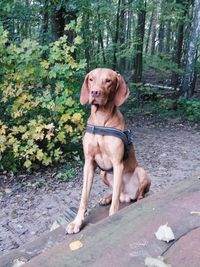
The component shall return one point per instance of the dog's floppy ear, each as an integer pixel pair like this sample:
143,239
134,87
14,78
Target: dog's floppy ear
122,92
84,97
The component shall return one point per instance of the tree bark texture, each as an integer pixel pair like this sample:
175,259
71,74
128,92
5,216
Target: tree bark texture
138,62
116,37
188,82
150,27
57,22
45,22
178,49
154,32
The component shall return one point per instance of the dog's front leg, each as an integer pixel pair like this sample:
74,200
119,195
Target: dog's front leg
75,226
117,186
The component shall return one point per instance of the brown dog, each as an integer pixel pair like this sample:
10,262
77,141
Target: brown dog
106,90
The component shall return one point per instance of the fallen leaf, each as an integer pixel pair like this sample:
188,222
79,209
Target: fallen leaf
195,213
13,214
54,226
8,190
75,245
155,262
19,262
165,233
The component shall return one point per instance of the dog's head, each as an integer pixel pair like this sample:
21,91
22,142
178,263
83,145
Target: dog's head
102,86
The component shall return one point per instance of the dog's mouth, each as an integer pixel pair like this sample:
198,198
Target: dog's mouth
100,101
95,102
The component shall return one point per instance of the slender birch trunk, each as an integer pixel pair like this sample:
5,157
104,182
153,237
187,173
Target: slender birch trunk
188,82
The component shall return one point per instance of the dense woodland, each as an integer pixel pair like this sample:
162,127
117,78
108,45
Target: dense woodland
128,35
46,46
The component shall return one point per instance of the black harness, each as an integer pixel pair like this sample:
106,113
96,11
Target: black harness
109,131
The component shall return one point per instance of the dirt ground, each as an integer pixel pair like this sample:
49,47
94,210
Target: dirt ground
170,152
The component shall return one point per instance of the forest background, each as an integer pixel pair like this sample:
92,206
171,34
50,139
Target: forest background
47,46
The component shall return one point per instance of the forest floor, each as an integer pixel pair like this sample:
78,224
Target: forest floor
30,204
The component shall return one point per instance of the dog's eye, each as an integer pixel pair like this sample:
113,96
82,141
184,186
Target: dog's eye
108,80
91,79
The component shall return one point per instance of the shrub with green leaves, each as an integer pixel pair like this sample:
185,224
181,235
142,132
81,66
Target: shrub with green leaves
162,64
190,108
166,104
41,121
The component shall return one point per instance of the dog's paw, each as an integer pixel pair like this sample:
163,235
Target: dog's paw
105,200
73,228
125,198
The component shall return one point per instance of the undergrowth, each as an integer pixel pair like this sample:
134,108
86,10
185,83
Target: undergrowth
161,108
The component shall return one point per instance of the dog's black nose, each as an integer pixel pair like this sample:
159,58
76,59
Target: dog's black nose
95,93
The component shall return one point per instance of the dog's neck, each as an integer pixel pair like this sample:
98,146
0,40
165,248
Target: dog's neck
107,115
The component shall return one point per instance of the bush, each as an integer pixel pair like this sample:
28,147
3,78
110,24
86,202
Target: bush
41,120
190,109
162,64
145,93
166,104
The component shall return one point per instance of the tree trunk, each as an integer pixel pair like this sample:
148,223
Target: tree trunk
161,31
154,33
57,22
45,22
161,35
129,26
168,38
86,38
116,37
100,40
100,37
140,30
188,83
179,43
69,16
150,28
26,23
122,37
129,38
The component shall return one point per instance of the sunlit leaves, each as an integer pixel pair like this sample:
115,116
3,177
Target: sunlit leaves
44,64
41,120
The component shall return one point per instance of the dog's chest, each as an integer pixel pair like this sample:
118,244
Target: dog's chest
102,147
97,145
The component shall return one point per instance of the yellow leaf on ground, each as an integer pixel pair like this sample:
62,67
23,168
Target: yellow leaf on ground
75,245
195,213
8,190
156,262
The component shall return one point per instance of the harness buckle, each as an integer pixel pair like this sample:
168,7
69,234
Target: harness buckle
93,129
129,137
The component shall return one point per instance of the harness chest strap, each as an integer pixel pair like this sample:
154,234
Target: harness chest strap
109,131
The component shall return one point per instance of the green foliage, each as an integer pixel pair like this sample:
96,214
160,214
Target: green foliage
67,173
166,104
41,119
159,69
162,64
20,18
145,93
190,109
153,104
